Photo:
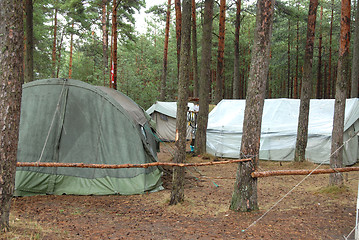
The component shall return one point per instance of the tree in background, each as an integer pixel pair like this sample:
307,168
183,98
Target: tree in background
178,30
29,47
244,196
236,79
336,157
220,59
177,193
302,132
204,83
355,61
194,50
165,53
11,79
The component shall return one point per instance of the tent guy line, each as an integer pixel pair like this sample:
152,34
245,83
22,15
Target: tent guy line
299,183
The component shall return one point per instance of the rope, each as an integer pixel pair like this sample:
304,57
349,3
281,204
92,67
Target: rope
346,237
285,195
52,122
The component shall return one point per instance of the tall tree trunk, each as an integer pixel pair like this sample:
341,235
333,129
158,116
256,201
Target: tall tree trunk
336,157
177,193
71,50
29,61
54,44
178,31
319,77
165,54
289,92
237,87
104,41
355,61
194,50
244,196
302,132
295,87
11,79
220,59
114,44
328,88
205,78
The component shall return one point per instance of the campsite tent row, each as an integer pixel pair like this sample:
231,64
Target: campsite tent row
69,121
279,130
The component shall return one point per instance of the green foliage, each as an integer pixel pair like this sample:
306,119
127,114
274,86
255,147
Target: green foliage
140,56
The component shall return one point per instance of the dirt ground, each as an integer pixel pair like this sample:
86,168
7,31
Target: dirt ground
308,212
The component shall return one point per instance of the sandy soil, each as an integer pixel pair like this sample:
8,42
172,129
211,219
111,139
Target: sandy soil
306,213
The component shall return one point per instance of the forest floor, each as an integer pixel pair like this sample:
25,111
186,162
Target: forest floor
310,211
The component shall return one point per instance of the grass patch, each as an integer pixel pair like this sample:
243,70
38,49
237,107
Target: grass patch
334,190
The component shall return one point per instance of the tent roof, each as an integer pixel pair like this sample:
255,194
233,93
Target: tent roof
281,115
166,108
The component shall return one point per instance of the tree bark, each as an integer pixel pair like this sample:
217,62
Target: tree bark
178,31
177,193
244,196
114,44
319,76
289,90
54,43
336,157
104,41
11,79
205,78
29,61
237,86
220,59
194,50
165,54
355,61
302,132
328,87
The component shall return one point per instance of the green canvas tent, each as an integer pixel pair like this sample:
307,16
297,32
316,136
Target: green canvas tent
70,121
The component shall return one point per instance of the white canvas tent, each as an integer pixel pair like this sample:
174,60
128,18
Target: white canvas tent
279,129
164,114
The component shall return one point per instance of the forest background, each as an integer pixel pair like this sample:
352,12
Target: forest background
69,40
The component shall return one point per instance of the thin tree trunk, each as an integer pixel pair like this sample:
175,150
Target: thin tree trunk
29,61
205,78
54,44
336,157
237,85
178,31
114,44
295,87
328,88
319,77
355,61
71,50
244,196
11,79
289,92
104,41
194,50
177,193
302,132
220,58
165,54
